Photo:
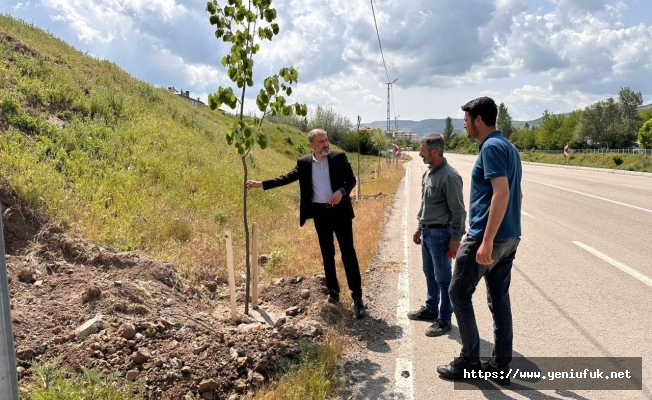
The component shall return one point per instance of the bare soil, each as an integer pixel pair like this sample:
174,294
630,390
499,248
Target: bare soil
142,319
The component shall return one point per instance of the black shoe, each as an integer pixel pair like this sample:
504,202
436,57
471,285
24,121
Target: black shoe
439,328
500,376
423,314
360,311
460,369
333,299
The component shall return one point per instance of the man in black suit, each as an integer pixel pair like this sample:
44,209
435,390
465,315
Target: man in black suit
325,181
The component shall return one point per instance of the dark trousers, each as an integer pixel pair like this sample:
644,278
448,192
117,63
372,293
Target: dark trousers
497,277
329,221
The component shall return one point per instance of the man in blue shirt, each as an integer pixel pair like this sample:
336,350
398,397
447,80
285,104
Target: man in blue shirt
489,248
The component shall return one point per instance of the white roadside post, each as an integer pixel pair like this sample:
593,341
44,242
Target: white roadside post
229,262
8,373
566,152
254,265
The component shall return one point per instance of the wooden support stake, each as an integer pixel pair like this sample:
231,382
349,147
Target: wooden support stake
358,195
229,263
254,265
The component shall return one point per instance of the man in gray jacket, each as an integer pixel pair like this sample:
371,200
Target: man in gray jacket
441,226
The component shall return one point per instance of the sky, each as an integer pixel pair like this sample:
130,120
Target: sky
558,55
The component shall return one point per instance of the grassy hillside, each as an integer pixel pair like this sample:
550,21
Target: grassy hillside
132,166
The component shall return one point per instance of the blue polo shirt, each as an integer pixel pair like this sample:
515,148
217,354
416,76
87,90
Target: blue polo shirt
498,157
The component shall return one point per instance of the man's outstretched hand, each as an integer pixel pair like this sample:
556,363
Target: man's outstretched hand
254,184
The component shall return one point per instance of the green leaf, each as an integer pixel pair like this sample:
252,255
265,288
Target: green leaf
225,60
233,74
240,15
213,102
214,20
288,91
300,109
229,137
247,132
275,29
233,99
210,7
262,140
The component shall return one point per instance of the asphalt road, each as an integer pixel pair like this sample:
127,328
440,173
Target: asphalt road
581,287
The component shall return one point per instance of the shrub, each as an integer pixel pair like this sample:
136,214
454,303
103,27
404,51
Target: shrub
618,160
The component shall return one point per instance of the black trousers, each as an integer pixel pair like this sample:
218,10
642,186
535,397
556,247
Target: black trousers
329,221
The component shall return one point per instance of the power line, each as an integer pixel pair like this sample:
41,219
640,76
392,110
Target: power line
378,35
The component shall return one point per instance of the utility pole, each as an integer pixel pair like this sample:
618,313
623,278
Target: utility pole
358,196
389,121
396,123
8,372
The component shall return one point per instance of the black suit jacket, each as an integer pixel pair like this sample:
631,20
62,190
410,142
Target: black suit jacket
341,175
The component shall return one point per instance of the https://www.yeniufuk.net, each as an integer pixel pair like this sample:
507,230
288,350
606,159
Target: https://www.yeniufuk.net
517,374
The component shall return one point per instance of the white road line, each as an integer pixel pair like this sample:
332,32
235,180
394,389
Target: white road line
620,266
526,214
590,195
404,386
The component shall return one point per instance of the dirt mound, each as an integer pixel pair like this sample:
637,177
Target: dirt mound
97,308
20,223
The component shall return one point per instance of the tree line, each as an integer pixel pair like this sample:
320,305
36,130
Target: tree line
611,123
366,142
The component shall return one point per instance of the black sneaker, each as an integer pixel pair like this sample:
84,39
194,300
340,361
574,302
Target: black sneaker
460,369
360,311
439,328
423,314
500,376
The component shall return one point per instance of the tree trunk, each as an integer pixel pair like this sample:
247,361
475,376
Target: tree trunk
246,225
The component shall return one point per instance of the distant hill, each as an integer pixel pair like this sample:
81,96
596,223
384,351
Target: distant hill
427,126
423,127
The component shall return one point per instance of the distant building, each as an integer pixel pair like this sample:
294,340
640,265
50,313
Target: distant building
406,135
186,95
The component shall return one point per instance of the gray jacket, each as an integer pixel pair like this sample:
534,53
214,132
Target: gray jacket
442,200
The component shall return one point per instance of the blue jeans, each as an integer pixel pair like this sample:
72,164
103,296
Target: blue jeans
497,276
437,269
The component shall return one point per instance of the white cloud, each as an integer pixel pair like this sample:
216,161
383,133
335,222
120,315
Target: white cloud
20,6
537,99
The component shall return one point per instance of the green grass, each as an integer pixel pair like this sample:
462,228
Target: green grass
628,162
311,377
55,382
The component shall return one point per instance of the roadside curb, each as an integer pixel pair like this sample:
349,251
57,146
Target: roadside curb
603,170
